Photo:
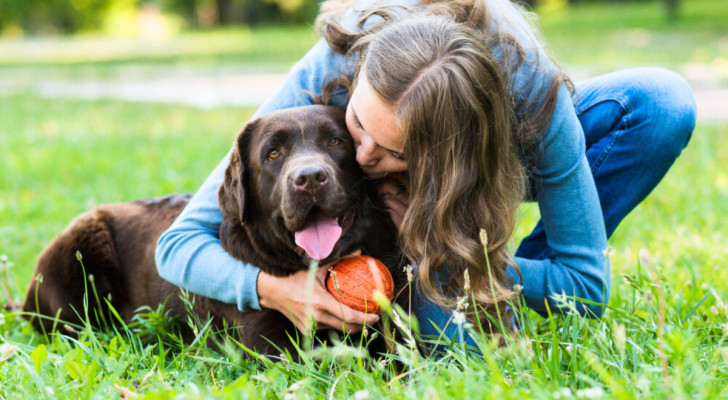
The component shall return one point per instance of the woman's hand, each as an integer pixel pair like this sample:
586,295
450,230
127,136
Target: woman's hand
288,296
394,193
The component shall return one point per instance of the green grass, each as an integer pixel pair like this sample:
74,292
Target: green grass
68,156
60,157
619,34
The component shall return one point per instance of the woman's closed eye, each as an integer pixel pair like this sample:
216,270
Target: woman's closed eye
357,122
396,155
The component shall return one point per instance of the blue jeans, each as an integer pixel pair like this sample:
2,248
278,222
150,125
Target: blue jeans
636,122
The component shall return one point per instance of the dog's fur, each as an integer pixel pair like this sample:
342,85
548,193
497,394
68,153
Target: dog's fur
264,200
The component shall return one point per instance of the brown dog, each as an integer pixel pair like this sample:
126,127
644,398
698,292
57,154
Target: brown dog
292,193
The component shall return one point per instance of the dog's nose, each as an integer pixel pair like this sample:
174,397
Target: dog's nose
310,177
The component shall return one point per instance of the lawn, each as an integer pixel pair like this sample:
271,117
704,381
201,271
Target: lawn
60,157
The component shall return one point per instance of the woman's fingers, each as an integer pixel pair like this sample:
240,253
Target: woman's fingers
330,313
394,193
289,295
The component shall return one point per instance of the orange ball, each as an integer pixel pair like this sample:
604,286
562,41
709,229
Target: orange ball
358,278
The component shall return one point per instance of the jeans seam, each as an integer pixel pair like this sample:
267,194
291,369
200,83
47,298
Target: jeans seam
624,124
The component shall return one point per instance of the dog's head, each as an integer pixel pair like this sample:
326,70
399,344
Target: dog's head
293,182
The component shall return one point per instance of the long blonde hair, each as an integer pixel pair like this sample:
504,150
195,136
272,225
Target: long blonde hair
464,132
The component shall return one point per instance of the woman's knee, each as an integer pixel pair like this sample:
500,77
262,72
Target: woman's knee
664,100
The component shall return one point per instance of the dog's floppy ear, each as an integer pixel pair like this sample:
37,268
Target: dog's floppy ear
233,193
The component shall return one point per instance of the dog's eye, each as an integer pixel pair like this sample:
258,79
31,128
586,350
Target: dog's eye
334,141
273,154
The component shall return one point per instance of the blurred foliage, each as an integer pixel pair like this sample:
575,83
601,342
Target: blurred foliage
672,7
44,17
51,16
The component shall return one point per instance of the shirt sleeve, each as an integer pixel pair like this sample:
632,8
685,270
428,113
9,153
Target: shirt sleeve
572,220
189,254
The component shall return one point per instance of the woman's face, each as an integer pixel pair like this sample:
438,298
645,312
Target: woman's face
378,139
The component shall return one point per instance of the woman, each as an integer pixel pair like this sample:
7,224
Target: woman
461,95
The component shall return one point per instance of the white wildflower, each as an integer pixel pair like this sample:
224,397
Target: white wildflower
590,393
644,256
643,384
608,252
462,303
290,393
362,395
518,289
563,392
7,351
458,317
295,386
4,263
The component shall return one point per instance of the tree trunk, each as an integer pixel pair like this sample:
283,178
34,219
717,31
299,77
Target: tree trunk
673,7
225,11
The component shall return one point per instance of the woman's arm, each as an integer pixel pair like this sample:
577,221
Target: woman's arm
574,263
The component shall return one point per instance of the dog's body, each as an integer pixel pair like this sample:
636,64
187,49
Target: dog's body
292,193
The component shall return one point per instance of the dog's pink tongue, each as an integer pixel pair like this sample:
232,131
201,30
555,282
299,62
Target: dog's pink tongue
319,236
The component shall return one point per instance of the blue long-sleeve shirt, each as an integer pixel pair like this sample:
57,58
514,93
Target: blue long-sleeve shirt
189,253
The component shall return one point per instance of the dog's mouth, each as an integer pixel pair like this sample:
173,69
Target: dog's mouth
320,233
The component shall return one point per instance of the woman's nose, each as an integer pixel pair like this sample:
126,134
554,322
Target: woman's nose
366,152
